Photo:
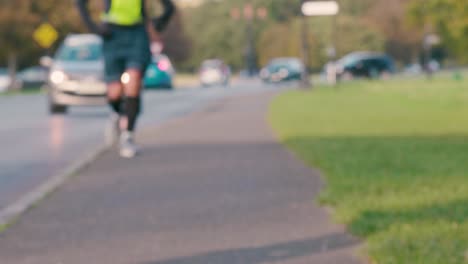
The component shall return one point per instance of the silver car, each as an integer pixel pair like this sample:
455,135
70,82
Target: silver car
214,72
76,75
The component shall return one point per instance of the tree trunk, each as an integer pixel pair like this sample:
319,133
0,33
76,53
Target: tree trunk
306,83
12,67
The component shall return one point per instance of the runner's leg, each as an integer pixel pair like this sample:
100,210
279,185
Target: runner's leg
132,90
115,124
114,96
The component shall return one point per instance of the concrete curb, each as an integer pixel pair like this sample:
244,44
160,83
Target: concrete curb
12,212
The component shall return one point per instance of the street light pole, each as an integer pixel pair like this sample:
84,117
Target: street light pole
250,14
250,56
313,8
427,45
305,80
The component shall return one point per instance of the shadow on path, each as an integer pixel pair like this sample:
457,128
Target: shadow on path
269,253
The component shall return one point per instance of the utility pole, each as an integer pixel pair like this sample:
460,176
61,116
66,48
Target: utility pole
306,83
332,53
250,55
428,41
249,14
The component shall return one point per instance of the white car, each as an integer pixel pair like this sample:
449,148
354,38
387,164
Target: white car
76,75
214,72
5,81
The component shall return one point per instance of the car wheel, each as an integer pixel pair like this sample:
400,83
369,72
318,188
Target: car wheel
57,109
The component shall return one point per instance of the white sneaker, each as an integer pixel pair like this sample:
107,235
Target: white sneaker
112,131
128,148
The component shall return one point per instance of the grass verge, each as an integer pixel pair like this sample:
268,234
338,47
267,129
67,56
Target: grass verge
22,92
395,158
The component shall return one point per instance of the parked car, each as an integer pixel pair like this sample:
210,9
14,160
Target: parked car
364,64
76,74
5,81
33,77
159,74
282,69
214,72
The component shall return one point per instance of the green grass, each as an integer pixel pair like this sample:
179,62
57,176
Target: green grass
395,158
22,92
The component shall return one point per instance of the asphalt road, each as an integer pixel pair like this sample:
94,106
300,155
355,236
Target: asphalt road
36,146
213,187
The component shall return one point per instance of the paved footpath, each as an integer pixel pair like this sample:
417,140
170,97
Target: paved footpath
211,188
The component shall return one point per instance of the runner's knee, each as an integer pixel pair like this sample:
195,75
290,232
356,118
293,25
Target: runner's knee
114,91
133,85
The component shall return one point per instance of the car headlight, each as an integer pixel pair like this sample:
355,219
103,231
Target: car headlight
58,77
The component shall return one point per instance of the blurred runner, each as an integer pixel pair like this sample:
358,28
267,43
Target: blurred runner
126,55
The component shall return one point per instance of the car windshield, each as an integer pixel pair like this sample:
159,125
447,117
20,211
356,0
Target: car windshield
354,58
349,60
293,64
211,64
80,52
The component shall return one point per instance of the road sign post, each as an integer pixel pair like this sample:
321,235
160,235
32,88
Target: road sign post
314,8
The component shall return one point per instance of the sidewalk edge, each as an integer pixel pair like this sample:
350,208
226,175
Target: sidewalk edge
12,212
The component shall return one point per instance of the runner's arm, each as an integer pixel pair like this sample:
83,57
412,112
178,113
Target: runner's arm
161,22
86,17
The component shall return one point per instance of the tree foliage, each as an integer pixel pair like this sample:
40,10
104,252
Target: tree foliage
449,18
19,19
395,26
378,25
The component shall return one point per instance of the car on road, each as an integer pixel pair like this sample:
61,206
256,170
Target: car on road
282,69
5,81
76,76
214,72
364,65
33,77
159,74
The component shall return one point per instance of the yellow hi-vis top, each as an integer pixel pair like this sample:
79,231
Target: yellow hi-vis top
124,12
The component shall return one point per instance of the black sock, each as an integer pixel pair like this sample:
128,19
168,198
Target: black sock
132,110
116,105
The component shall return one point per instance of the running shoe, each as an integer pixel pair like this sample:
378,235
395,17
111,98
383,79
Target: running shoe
128,148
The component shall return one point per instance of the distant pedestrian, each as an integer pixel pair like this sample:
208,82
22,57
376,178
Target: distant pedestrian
127,54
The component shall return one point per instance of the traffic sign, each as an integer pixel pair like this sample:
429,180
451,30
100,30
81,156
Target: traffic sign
45,35
320,8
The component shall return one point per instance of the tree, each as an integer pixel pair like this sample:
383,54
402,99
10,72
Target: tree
403,41
216,34
19,19
449,18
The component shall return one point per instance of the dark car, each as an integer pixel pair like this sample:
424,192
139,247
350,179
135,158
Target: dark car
364,64
33,77
282,69
214,72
